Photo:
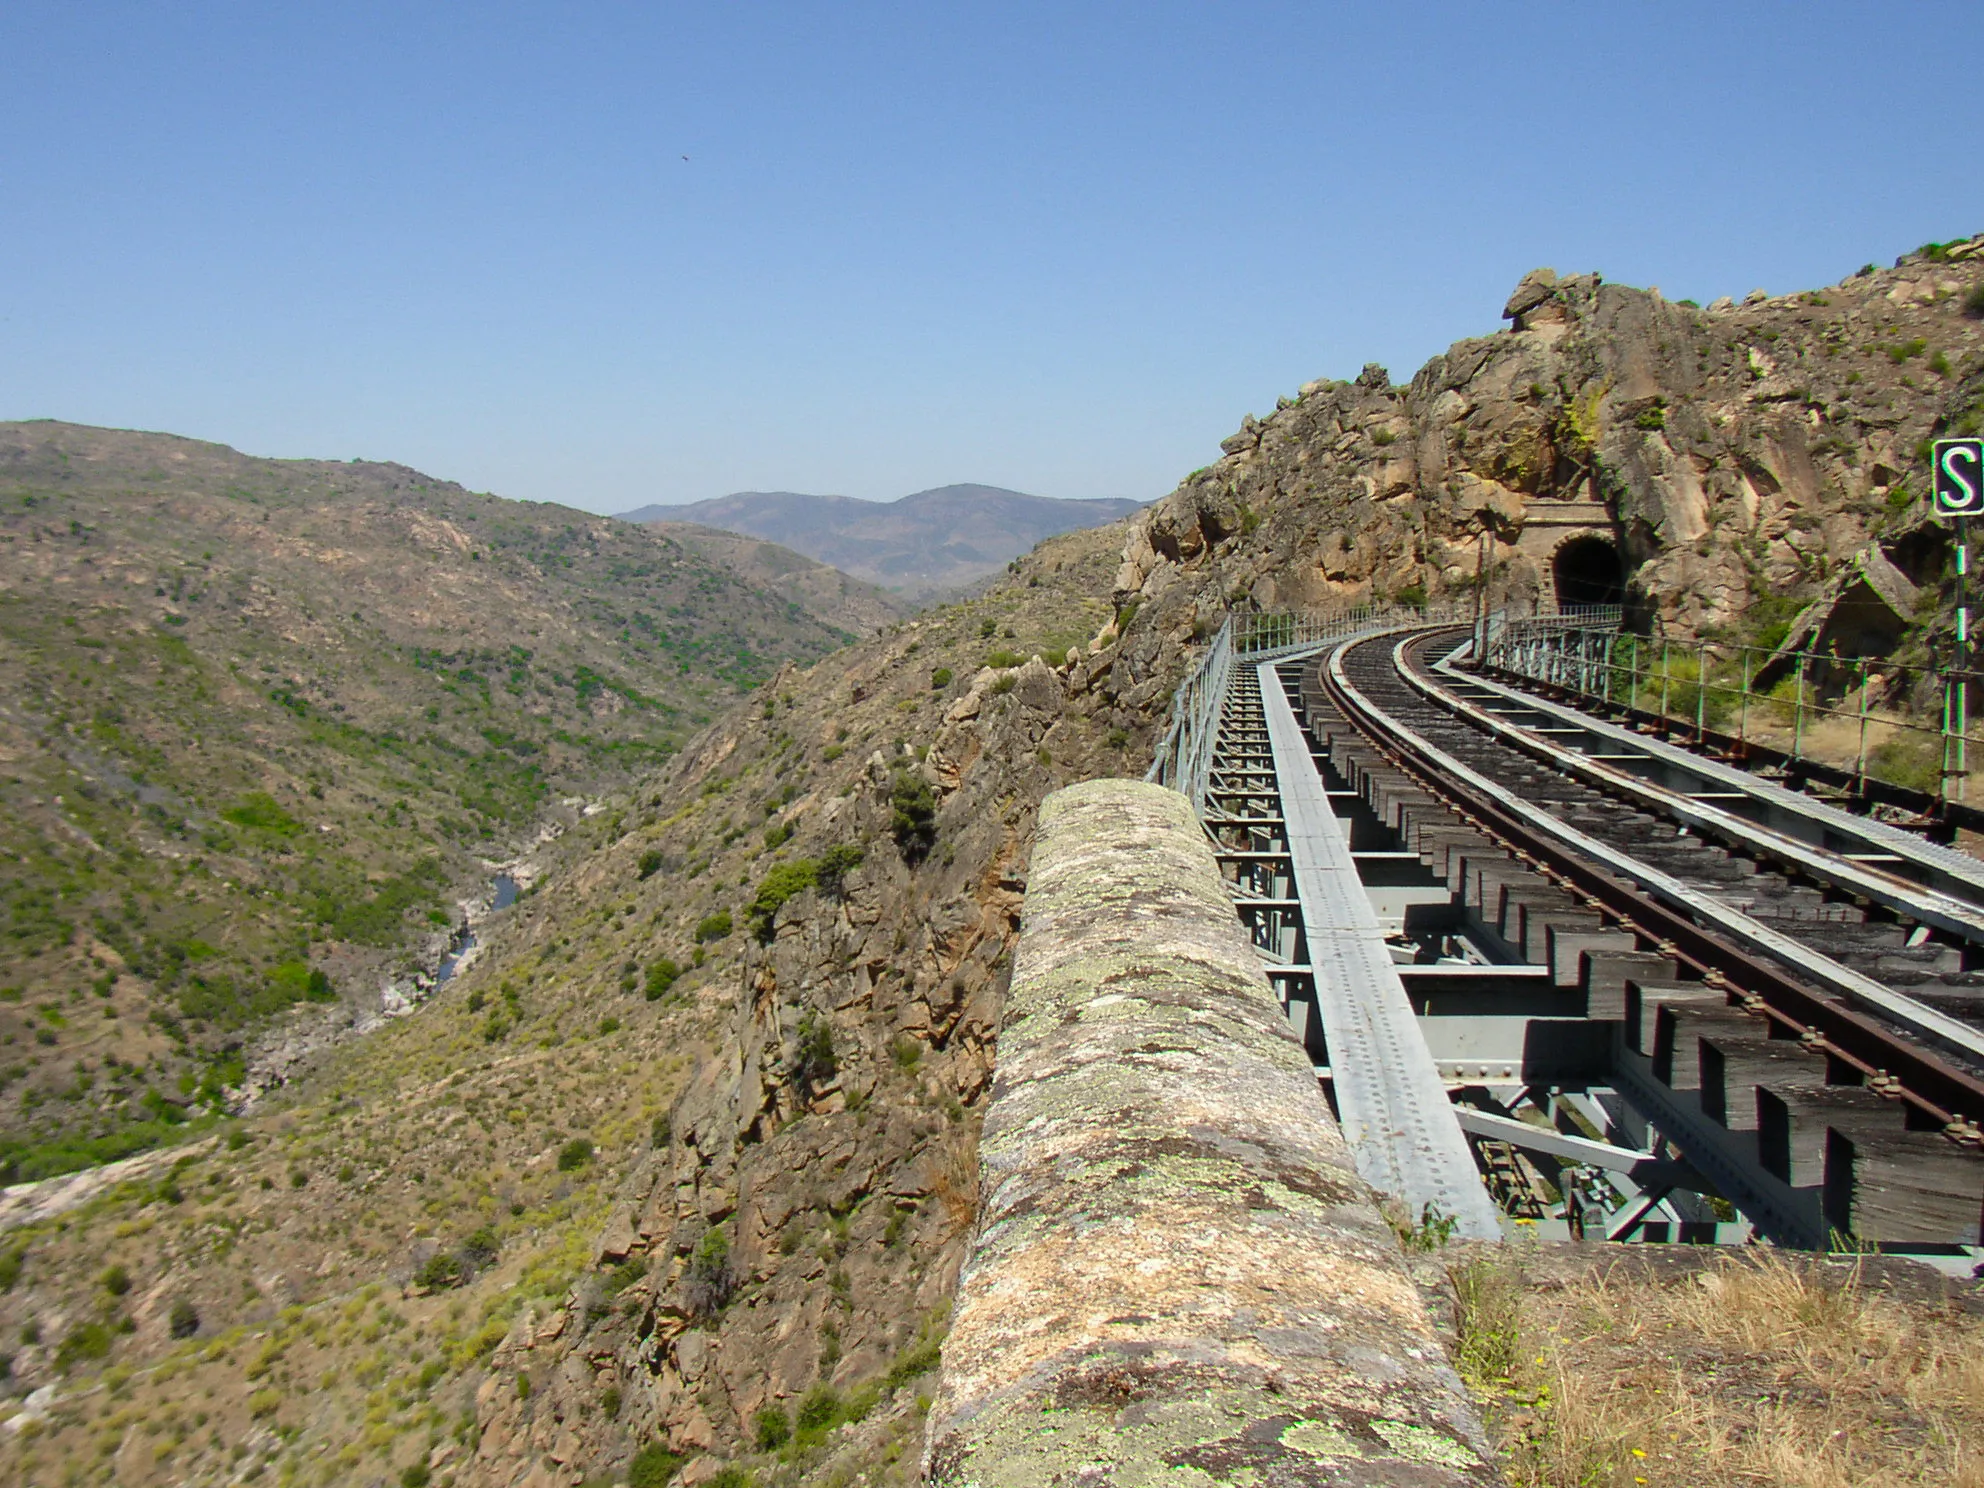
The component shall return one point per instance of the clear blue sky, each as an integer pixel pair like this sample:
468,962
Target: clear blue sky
1059,247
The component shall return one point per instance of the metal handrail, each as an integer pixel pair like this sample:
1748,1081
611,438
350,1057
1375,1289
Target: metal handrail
1183,758
1704,684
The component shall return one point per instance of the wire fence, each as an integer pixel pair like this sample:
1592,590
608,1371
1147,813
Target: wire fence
1881,720
1183,759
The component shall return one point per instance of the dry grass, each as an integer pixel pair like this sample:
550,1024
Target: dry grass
956,1187
1754,1369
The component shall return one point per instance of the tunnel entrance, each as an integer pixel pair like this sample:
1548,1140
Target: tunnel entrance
1587,571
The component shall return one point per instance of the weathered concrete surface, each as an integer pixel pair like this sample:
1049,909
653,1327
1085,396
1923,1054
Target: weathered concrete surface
1179,1277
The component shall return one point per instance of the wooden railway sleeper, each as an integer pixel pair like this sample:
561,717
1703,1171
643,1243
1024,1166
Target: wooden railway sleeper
1955,1125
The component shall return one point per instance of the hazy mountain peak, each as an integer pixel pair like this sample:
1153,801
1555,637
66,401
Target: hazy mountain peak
927,541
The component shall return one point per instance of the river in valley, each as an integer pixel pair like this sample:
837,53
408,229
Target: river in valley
504,888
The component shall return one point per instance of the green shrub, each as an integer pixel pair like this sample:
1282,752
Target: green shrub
609,1402
86,1342
708,1283
260,812
732,1476
778,836
416,1475
777,886
11,1262
116,1281
923,1353
820,1410
771,1428
815,1063
650,863
617,1278
662,1132
662,975
831,868
480,1248
1973,302
297,981
652,1466
1004,659
913,815
1650,418
441,1272
1913,760
940,679
574,1155
713,927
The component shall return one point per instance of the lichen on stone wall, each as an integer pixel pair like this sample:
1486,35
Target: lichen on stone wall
1178,1277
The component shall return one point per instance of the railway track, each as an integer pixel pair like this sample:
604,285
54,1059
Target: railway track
1664,960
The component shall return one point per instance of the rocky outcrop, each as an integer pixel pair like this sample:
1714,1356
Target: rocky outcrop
1178,1270
1729,455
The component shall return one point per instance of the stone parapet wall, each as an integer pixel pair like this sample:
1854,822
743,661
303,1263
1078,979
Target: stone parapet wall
1178,1275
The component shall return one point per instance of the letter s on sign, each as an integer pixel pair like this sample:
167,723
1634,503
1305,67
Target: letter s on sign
1959,467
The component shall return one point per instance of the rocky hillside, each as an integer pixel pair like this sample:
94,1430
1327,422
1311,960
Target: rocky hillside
1739,456
837,598
920,546
694,1140
263,723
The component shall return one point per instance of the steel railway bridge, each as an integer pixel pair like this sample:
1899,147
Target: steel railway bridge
1560,972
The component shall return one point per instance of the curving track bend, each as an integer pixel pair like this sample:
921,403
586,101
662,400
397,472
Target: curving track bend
1782,1003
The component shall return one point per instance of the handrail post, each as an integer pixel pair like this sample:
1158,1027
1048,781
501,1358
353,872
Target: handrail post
1666,680
1701,695
1743,707
1798,710
1860,760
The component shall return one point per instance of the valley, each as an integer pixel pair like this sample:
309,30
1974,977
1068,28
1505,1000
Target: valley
674,1179
266,724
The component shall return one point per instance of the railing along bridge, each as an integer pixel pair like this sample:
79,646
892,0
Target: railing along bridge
1562,962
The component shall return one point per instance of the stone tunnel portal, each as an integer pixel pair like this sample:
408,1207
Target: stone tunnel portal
1587,571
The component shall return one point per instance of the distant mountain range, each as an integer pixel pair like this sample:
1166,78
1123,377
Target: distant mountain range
917,546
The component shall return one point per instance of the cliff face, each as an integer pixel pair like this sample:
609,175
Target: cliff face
800,1231
1730,454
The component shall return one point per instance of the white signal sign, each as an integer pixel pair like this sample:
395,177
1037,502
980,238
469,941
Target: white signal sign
1959,477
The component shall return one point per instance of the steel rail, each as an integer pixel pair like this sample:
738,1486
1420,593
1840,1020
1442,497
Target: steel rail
1666,910
1960,916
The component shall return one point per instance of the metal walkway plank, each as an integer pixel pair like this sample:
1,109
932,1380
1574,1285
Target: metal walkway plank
1401,1127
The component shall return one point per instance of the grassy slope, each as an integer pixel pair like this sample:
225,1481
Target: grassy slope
314,1355
259,718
